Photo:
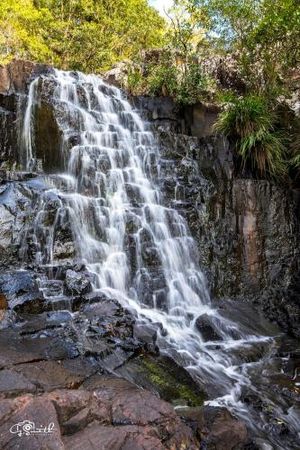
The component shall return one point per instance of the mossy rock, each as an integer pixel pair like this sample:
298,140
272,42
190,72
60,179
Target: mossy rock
162,375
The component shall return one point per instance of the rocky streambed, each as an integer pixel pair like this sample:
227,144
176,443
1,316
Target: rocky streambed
88,362
86,365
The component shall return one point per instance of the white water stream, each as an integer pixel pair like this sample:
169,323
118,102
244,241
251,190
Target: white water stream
109,185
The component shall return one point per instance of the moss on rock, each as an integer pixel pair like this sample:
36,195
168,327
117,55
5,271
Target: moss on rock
161,374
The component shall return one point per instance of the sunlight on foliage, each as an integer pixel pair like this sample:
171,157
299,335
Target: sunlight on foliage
85,35
250,122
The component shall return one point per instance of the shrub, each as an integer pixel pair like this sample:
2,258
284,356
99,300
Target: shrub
135,81
162,79
250,121
295,161
192,85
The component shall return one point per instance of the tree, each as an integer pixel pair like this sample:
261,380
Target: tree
22,29
264,34
88,35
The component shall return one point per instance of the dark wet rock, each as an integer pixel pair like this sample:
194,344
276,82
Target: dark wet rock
7,220
216,427
18,283
52,288
162,110
247,229
151,256
17,201
22,292
225,432
8,137
261,444
78,283
47,137
208,329
200,119
152,287
64,248
14,81
15,76
11,175
97,303
48,344
146,333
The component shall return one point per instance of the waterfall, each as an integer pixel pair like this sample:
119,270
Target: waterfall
137,249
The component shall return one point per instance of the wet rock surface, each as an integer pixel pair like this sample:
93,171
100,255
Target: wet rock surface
209,330
60,368
216,428
14,82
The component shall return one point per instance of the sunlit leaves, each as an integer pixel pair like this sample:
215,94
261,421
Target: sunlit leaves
88,35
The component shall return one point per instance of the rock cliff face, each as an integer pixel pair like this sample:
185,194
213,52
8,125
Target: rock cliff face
69,356
247,229
87,371
14,82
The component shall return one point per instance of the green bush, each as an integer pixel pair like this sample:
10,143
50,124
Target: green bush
295,146
250,121
135,81
186,85
295,161
192,86
162,79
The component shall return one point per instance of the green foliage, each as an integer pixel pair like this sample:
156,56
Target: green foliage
165,77
263,34
88,35
295,148
176,71
193,85
186,32
135,81
251,122
295,161
162,79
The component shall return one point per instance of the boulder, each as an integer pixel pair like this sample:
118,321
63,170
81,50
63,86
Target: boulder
13,383
118,75
78,283
146,333
207,328
225,431
117,416
49,375
25,414
163,376
22,292
216,427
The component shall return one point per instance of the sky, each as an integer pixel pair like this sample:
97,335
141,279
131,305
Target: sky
161,4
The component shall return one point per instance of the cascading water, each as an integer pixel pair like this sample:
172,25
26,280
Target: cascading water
137,250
